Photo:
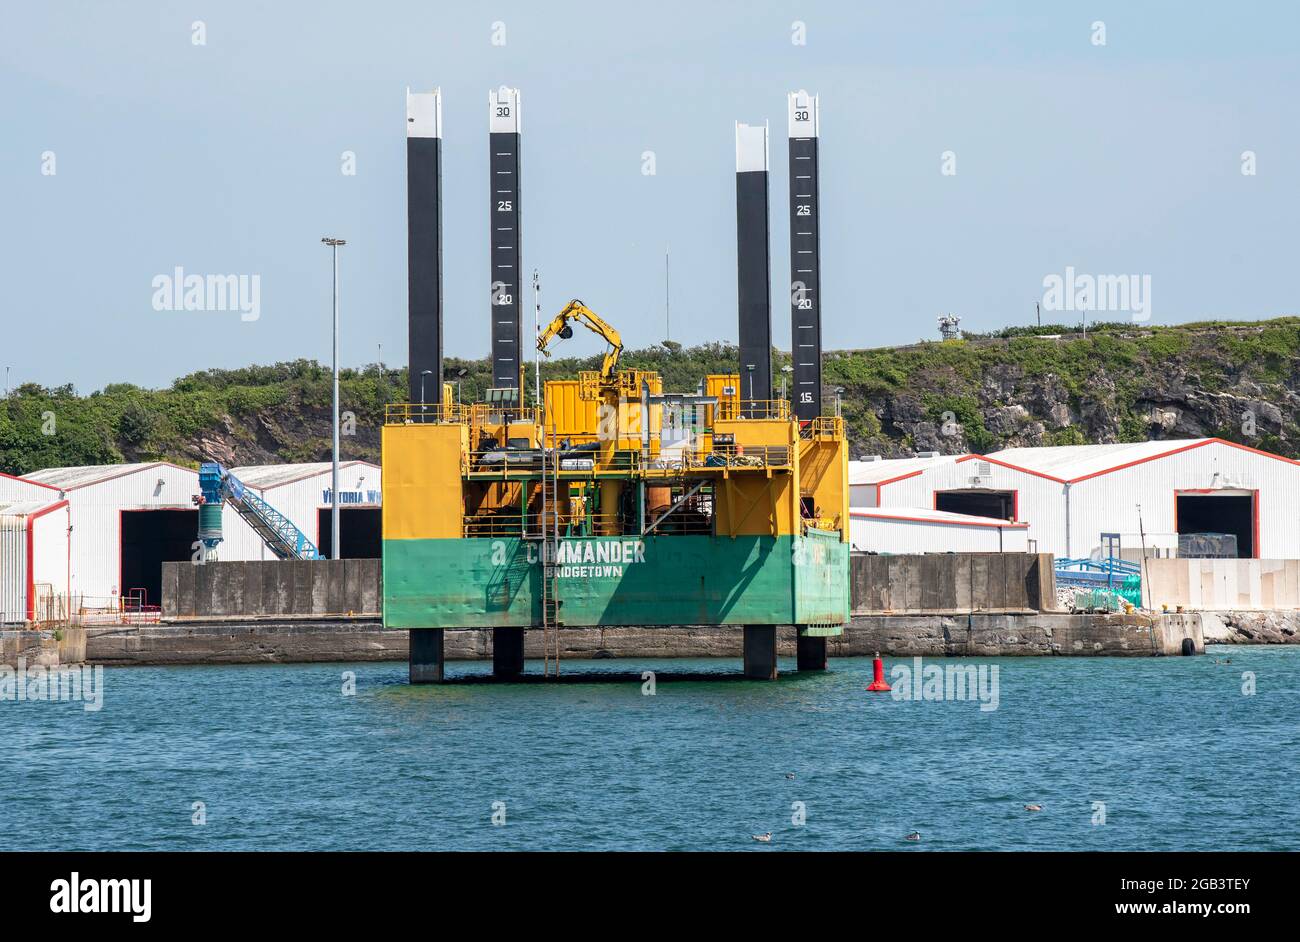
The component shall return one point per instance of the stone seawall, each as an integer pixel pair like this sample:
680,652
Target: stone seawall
1252,627
228,642
895,635
45,648
1042,633
329,588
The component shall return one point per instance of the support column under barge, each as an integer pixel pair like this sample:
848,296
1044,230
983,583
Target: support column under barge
614,504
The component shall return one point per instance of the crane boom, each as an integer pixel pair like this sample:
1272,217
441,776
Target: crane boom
575,310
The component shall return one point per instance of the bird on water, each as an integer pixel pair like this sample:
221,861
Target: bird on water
1033,807
914,836
763,838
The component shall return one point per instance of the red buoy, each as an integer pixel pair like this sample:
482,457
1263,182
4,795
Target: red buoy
879,683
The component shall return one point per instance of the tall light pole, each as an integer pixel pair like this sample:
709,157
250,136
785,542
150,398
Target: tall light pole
334,469
423,407
668,324
537,354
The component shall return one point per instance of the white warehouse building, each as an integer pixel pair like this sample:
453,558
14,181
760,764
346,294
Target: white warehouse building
14,489
126,520
1070,495
892,512
302,493
122,522
917,530
869,476
35,562
1183,487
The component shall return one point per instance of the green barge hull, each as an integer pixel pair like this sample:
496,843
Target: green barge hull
649,581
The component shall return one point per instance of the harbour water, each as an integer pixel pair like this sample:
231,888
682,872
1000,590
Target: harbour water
1168,752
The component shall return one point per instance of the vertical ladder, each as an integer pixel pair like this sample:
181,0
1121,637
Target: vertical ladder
550,535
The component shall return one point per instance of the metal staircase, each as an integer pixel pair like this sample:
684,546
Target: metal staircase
276,530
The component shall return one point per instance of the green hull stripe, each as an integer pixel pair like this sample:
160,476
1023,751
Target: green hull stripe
670,580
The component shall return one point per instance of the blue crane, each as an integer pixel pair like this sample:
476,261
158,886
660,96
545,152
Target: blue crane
218,487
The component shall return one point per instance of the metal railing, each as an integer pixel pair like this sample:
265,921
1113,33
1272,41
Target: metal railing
133,608
821,524
48,609
489,413
502,461
416,413
619,461
740,457
504,523
527,462
625,383
1108,571
754,409
534,525
138,610
823,428
692,516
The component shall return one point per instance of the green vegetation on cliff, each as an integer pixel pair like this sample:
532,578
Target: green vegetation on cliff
1020,386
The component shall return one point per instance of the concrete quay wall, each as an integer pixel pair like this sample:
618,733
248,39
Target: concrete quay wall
893,635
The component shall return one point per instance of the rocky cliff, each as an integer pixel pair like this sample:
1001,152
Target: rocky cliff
1235,381
1041,386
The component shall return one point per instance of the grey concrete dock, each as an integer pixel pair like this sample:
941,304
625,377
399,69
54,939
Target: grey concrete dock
1049,634
938,605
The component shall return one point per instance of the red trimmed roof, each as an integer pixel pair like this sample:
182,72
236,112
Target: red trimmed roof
14,477
941,517
1094,454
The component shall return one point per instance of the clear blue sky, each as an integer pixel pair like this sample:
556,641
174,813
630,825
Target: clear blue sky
225,158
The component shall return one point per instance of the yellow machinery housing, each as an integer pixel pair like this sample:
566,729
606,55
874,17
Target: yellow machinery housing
615,503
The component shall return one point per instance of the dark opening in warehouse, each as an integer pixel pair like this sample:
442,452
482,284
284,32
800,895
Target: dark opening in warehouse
360,533
998,504
1212,525
149,539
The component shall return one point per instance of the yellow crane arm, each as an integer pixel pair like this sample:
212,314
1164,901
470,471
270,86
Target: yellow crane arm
575,310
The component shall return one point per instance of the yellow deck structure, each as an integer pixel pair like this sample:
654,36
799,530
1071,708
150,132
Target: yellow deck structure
615,504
